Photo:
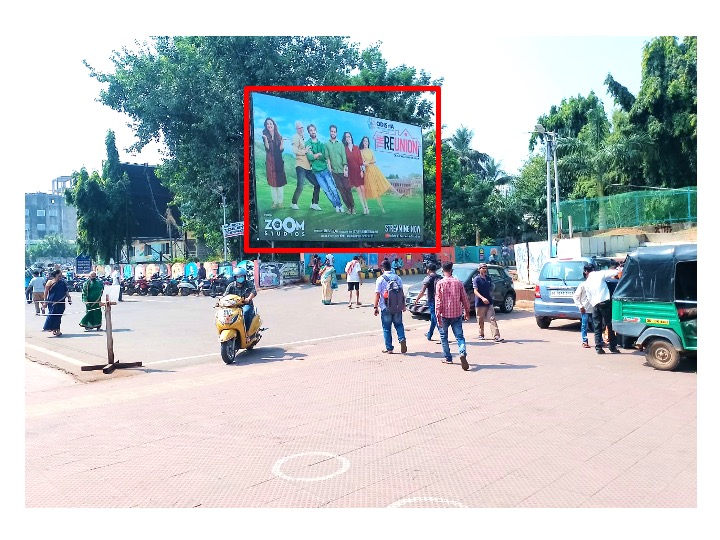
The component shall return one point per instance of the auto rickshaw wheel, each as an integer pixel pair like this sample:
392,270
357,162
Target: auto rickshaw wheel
661,355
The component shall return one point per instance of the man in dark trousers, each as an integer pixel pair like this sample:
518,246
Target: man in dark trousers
428,285
202,276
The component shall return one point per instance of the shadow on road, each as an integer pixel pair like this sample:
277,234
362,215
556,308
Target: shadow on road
264,355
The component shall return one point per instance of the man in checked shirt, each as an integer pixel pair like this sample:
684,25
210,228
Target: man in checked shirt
452,308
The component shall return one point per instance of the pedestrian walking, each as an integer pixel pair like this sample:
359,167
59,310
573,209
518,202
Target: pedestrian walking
484,308
116,281
452,308
352,270
428,287
328,281
57,293
599,296
390,304
580,297
37,288
91,295
315,265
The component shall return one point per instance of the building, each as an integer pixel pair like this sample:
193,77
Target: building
47,213
154,225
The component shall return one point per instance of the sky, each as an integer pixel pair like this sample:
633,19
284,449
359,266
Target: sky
497,87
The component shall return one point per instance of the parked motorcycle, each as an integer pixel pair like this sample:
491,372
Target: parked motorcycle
187,286
78,284
170,287
230,324
141,286
128,286
205,287
218,285
155,286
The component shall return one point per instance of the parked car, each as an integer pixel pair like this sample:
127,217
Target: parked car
503,295
556,284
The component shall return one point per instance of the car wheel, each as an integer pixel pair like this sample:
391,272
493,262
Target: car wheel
661,355
508,303
543,322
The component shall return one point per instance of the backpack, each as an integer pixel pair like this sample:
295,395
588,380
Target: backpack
394,296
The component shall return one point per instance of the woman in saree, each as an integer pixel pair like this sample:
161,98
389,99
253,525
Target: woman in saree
91,295
55,297
327,277
375,182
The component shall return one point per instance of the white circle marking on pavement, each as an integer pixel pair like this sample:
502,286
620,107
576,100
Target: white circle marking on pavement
403,502
277,468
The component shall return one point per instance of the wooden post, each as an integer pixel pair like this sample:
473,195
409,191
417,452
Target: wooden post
112,365
108,329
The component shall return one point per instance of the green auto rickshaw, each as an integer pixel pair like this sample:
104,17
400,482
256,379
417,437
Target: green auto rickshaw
654,306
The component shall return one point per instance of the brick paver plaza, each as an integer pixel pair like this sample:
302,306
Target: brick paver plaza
537,422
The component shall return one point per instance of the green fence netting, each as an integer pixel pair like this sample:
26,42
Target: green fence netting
636,209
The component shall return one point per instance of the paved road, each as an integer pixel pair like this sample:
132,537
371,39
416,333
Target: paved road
308,420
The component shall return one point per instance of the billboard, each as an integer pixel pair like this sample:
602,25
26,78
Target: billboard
323,175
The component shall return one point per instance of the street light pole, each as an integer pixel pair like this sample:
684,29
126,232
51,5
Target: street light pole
548,157
551,144
557,189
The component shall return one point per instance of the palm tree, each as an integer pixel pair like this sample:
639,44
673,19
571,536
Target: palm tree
470,160
597,151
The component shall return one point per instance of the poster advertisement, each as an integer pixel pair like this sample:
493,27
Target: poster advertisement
332,176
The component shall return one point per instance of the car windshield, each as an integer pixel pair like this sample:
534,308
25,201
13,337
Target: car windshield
563,270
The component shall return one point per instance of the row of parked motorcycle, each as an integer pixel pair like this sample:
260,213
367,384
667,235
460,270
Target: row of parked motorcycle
166,286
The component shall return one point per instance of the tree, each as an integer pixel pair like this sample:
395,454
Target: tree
105,222
666,111
596,155
53,246
188,92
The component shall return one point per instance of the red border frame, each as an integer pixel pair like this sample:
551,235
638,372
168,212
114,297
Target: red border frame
303,249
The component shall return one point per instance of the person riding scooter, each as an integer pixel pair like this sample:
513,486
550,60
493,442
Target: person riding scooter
241,286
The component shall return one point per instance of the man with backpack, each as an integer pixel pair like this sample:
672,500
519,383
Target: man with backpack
428,284
452,307
390,304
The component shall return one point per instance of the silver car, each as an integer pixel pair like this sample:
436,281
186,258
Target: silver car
557,282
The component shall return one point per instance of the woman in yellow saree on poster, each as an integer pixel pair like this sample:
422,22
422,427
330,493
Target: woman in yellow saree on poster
375,182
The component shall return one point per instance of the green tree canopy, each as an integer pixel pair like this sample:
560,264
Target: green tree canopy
188,93
105,221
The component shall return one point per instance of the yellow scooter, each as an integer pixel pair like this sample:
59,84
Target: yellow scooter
230,325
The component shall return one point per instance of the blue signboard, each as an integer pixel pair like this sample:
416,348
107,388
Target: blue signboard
83,265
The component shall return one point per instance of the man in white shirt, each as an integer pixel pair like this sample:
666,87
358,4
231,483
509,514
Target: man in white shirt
116,281
599,297
37,286
352,269
582,301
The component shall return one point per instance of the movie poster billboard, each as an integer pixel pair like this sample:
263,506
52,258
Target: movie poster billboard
332,176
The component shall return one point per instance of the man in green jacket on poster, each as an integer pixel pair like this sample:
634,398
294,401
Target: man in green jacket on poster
318,161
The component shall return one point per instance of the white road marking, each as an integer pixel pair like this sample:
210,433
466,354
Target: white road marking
59,356
279,463
183,358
